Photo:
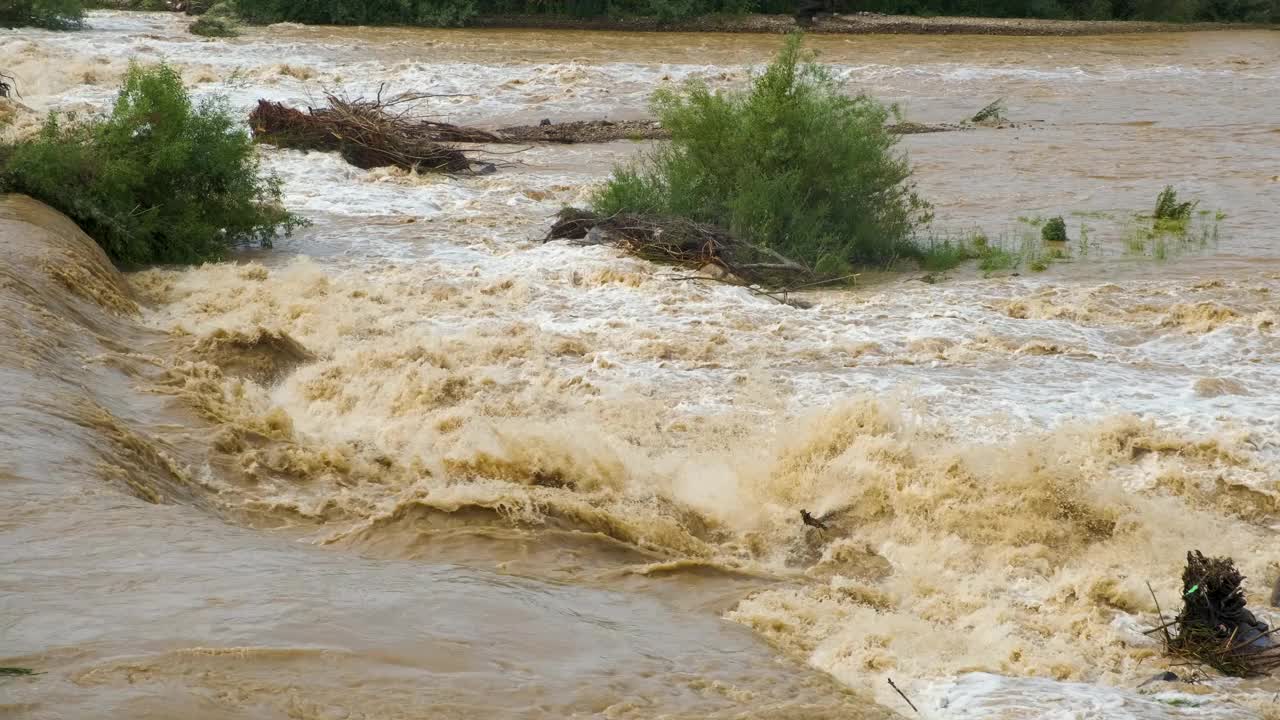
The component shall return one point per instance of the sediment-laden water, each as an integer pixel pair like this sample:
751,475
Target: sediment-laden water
413,461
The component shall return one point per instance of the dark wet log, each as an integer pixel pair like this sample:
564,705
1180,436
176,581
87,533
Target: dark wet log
585,131
600,131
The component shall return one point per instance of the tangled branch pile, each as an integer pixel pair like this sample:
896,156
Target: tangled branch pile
680,241
1215,628
370,133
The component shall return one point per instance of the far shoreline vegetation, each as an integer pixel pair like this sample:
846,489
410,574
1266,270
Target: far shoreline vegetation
889,16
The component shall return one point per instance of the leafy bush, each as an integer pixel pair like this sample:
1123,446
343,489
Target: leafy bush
1054,231
1168,207
52,14
159,180
209,25
792,164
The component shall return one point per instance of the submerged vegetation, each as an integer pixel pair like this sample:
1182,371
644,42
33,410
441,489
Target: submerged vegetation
161,179
791,164
1036,243
51,14
217,21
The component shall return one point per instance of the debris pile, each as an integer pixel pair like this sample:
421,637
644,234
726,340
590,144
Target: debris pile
379,133
370,133
681,242
1215,628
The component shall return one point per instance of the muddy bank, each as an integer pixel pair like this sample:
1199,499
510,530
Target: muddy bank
855,24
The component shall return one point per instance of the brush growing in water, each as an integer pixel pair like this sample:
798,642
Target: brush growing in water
162,179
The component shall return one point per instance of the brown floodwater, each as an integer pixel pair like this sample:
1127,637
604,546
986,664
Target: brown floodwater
414,462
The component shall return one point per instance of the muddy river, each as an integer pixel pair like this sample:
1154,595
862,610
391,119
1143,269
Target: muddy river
413,462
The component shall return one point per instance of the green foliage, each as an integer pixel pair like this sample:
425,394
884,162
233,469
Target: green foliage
1175,228
209,25
792,163
454,12
438,13
946,255
159,180
147,5
1168,207
992,113
1055,230
52,14
996,259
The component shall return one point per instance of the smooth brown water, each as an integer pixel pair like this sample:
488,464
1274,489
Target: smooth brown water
414,462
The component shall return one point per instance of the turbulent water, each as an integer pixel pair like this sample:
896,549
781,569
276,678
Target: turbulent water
413,462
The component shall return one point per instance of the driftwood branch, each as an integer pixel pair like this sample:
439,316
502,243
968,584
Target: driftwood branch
8,86
904,695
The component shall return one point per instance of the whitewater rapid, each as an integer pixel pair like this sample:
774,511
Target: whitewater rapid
417,379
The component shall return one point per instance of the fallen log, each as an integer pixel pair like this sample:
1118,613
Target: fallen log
377,133
680,241
601,131
585,131
368,134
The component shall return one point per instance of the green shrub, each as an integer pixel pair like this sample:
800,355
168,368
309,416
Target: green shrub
52,14
159,180
1168,207
792,163
995,259
945,255
1055,230
209,25
992,113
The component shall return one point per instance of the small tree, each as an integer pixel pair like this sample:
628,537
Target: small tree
792,163
160,180
52,14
